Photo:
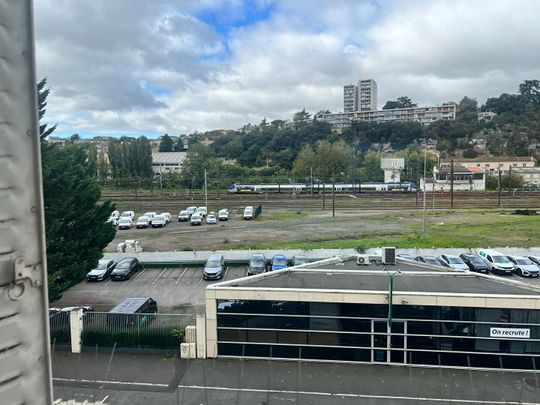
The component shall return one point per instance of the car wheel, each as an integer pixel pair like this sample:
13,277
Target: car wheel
520,272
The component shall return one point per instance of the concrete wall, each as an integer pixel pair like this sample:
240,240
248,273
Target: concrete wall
242,256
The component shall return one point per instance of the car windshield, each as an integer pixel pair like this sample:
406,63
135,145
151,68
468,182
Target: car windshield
123,265
257,262
455,260
280,261
501,259
432,260
524,261
213,263
476,260
102,265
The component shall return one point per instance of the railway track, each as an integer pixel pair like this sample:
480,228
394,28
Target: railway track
365,201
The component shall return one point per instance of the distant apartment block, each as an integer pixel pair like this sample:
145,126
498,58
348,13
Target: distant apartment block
361,96
350,98
423,115
367,95
492,165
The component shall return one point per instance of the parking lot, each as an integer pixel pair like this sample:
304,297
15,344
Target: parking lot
176,289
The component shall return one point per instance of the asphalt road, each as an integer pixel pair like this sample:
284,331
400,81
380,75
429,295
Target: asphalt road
129,379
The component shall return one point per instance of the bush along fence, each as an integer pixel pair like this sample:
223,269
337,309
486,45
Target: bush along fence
138,331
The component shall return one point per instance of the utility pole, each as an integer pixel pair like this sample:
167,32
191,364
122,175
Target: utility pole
333,199
424,190
205,191
311,168
323,197
451,183
499,186
218,182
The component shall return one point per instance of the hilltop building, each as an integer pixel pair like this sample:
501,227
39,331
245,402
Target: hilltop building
361,96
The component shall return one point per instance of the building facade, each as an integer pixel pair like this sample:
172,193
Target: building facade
350,98
530,175
491,165
367,95
167,162
441,319
465,179
423,115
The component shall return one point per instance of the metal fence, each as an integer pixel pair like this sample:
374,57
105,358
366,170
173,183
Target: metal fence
156,331
59,327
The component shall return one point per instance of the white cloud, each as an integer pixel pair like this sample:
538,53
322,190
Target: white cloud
139,66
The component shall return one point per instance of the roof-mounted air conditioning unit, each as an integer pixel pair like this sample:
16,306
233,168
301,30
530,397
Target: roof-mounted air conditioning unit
389,255
362,260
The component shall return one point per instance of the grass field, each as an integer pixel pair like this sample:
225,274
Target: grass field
445,229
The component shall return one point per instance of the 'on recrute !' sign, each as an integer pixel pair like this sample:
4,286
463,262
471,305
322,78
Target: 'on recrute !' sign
510,333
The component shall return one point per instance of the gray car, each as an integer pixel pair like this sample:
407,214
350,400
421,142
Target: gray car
257,264
215,267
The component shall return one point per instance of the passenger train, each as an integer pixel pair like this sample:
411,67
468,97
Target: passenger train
319,187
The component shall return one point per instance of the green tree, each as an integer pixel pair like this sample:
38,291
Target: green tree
301,118
43,93
334,161
304,162
401,102
179,145
76,230
371,168
199,158
166,144
530,89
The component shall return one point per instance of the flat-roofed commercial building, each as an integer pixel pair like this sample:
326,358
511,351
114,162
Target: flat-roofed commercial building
335,313
423,115
167,162
493,164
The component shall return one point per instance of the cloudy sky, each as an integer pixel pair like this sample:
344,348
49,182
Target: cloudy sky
156,66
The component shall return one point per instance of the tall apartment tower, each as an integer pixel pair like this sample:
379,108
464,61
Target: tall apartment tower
368,95
350,98
361,96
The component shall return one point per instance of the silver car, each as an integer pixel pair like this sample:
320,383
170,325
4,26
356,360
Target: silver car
524,267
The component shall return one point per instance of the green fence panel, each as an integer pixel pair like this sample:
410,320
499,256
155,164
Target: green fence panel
258,211
59,327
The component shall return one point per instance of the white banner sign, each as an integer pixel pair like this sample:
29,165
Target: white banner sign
510,333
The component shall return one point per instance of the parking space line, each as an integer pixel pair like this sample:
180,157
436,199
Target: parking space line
226,272
140,274
160,274
184,272
108,281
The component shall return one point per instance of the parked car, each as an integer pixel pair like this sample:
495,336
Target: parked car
279,262
103,270
114,218
167,216
125,223
215,267
132,312
257,264
183,216
130,214
248,212
405,256
196,219
125,268
535,259
191,210
159,221
454,262
429,260
202,211
475,263
497,261
150,216
297,260
524,267
223,214
143,222
211,219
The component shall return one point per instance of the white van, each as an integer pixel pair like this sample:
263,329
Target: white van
129,214
248,212
498,262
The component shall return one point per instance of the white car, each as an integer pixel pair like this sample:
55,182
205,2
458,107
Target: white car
114,218
167,216
191,210
125,223
497,261
143,222
223,214
150,216
128,214
203,211
183,216
196,219
248,212
524,266
159,221
211,219
454,262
